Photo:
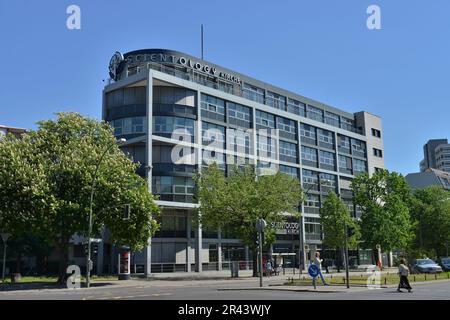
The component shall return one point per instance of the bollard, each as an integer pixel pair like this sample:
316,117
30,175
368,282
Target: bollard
294,269
414,278
385,280
425,277
284,271
435,276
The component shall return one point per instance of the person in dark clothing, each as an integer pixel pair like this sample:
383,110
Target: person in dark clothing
403,272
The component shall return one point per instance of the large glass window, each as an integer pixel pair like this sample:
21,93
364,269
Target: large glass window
173,185
293,172
309,154
345,164
239,140
308,133
287,127
344,144
213,104
241,114
131,125
313,230
358,148
275,100
332,119
165,126
288,151
253,93
328,182
327,159
314,113
348,124
310,178
326,138
266,146
210,157
359,166
296,107
265,119
213,135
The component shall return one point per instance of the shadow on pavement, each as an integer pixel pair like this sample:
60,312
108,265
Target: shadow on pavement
44,286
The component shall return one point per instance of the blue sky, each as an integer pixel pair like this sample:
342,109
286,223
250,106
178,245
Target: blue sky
321,49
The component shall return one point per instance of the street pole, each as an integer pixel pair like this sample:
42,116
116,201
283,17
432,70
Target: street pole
88,257
260,260
346,256
5,237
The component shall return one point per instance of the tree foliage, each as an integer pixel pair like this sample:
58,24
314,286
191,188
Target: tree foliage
430,210
46,179
235,202
334,216
384,200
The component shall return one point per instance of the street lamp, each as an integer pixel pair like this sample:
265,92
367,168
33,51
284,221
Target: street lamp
301,260
88,257
5,237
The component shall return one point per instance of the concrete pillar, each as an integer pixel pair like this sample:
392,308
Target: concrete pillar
112,259
188,242
219,250
148,258
198,248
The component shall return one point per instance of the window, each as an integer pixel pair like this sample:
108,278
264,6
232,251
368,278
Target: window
309,154
348,124
173,185
376,133
239,140
313,230
359,166
239,112
310,177
213,104
288,151
287,128
129,125
326,158
327,182
275,100
308,132
266,146
213,135
378,153
344,143
314,113
326,138
312,200
358,148
265,119
296,107
165,126
253,93
332,119
345,164
210,157
293,172
378,169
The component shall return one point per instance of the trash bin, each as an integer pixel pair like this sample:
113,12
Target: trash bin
234,269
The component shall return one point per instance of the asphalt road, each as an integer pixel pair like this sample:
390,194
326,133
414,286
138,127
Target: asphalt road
214,290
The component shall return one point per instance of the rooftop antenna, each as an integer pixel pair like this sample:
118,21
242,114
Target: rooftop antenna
202,40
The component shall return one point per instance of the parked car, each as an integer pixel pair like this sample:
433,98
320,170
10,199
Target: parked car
425,266
445,263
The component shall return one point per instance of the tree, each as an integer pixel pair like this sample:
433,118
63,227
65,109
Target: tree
384,201
431,213
235,202
46,180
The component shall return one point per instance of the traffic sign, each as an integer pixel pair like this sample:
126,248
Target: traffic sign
313,270
261,224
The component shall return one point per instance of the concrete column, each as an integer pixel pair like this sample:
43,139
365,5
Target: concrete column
247,257
188,242
219,250
149,157
112,258
198,248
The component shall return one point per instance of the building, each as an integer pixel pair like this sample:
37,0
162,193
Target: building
224,116
430,177
4,130
436,155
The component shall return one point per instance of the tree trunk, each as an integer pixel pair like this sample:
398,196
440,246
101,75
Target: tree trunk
338,259
18,262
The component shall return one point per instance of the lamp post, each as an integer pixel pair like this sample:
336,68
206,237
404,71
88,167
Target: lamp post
5,237
88,257
301,247
260,225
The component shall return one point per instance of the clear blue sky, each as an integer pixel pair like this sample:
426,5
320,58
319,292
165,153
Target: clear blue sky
320,49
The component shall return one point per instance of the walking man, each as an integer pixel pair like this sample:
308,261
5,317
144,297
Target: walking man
268,268
403,272
318,262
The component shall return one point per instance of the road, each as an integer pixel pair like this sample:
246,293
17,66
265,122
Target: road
224,290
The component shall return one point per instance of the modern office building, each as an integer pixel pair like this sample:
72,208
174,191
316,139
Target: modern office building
179,113
436,155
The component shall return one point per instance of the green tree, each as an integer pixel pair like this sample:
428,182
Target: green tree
46,179
431,213
384,201
334,216
235,202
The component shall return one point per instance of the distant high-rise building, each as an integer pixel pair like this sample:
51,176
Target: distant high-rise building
436,155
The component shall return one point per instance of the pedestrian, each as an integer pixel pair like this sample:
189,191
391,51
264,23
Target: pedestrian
403,272
318,262
268,268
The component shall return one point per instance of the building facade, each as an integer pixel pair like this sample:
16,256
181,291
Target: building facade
4,130
429,177
436,155
180,113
